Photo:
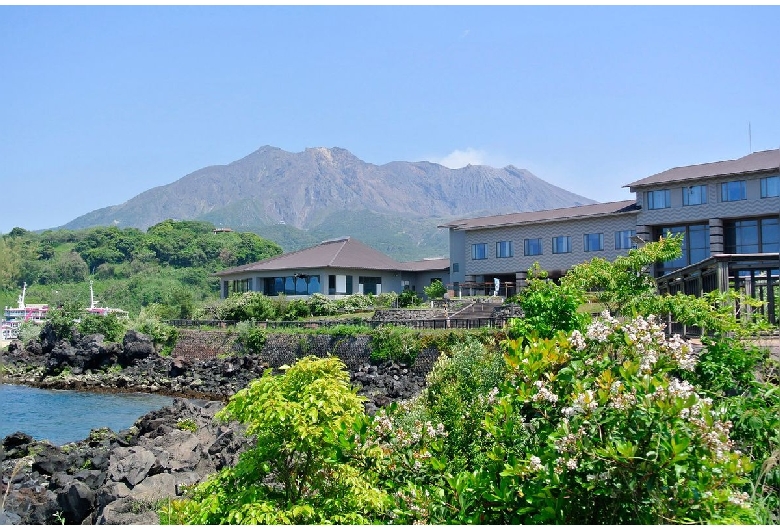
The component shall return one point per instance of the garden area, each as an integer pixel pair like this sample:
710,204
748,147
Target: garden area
570,419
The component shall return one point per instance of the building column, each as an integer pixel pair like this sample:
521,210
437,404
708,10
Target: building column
723,276
521,280
716,236
644,232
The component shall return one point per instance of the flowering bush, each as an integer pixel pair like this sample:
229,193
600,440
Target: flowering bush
591,428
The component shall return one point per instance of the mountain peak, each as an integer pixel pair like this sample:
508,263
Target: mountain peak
320,186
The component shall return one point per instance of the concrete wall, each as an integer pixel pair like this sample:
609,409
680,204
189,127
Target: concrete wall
284,349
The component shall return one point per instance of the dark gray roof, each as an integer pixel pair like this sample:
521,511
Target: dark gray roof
758,162
433,264
342,253
559,214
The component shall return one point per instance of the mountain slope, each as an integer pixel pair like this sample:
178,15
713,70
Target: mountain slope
319,189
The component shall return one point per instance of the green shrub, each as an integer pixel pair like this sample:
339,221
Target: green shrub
247,306
396,343
547,308
296,310
111,327
461,388
62,320
161,333
297,472
435,290
29,331
385,299
251,338
408,298
187,424
320,305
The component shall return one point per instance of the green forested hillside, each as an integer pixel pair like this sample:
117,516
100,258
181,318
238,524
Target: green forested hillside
171,264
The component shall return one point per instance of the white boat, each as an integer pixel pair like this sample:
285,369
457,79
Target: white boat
13,317
103,311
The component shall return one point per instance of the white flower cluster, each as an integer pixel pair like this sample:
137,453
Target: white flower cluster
649,339
569,463
675,389
544,393
599,331
385,430
583,403
568,443
535,463
490,398
715,434
740,498
577,340
620,400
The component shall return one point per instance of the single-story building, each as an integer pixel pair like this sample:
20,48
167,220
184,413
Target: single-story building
335,268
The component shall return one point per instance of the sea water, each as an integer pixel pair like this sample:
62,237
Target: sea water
64,416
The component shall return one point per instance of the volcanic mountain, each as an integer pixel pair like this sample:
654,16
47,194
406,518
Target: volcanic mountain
299,199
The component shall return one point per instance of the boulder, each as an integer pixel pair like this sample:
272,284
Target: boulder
135,346
126,511
178,450
16,445
77,501
50,459
7,518
130,464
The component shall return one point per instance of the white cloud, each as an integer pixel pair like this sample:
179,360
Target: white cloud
458,159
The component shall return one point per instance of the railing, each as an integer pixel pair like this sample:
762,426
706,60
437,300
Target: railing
439,323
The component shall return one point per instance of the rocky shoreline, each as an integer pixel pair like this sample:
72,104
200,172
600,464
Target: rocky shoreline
121,478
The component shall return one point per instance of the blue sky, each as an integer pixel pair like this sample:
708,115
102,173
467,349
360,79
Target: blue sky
99,104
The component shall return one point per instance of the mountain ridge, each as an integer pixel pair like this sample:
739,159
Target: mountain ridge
311,189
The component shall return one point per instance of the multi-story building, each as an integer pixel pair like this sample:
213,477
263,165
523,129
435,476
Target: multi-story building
729,207
729,212
505,247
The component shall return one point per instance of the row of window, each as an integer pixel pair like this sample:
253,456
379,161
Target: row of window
735,190
749,236
560,245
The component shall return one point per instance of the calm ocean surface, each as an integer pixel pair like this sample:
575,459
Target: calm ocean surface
64,416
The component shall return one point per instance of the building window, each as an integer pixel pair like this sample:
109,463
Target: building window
561,245
623,239
752,236
770,187
695,245
593,242
241,286
339,284
455,267
659,199
693,195
532,247
504,249
297,284
370,285
479,251
733,191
